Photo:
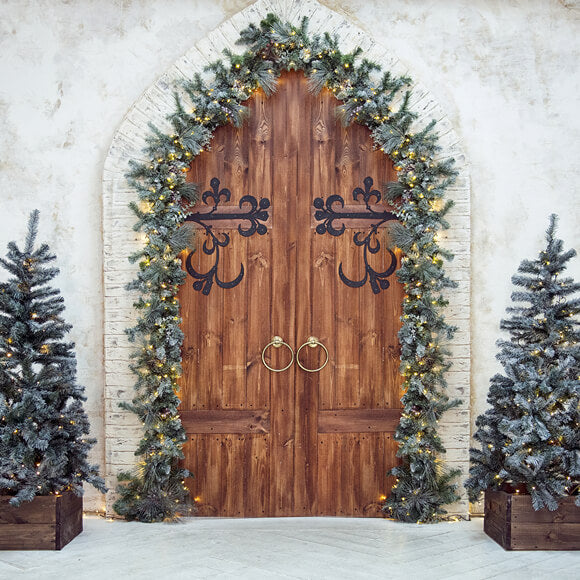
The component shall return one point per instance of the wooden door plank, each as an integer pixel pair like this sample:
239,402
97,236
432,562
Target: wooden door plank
328,474
256,492
283,309
234,472
372,308
371,164
225,486
210,466
347,315
259,260
226,421
234,177
349,475
390,307
206,377
202,462
358,420
323,253
391,355
323,292
210,377
372,473
190,347
307,384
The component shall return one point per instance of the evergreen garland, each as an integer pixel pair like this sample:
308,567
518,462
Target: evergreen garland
43,426
157,490
530,436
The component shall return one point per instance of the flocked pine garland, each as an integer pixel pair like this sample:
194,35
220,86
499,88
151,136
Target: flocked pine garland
157,490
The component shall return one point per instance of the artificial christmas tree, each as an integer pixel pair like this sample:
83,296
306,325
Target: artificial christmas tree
530,436
43,426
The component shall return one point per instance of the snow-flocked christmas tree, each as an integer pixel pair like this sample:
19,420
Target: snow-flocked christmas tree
43,426
530,435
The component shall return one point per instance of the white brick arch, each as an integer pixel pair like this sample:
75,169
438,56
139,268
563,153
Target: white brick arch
122,428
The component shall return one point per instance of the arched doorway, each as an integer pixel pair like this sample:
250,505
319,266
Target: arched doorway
123,429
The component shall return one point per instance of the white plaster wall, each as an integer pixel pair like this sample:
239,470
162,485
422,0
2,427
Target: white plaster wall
504,71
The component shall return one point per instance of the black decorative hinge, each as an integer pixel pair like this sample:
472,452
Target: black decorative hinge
253,215
330,212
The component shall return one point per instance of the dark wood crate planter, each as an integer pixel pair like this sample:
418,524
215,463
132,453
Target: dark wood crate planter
513,523
46,523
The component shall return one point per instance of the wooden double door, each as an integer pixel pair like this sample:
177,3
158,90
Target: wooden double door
296,442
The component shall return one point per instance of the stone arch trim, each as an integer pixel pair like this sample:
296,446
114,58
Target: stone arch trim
122,429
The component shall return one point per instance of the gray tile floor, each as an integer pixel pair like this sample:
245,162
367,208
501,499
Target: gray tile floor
333,548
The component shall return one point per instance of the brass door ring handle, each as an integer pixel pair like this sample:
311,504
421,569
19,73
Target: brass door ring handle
312,342
277,342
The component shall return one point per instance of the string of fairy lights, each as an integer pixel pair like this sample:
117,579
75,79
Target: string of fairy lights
367,96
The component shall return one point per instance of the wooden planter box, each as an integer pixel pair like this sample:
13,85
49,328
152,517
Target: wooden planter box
513,523
46,523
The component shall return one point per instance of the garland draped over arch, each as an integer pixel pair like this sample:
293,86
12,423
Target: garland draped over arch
368,96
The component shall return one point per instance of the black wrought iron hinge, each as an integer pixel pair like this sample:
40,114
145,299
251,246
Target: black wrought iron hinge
252,216
329,212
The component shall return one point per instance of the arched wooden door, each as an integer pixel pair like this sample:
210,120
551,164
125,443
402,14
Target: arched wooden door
291,443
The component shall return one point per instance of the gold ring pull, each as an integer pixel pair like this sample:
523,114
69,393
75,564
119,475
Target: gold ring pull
312,342
277,342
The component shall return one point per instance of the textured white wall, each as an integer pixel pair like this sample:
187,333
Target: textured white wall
505,72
